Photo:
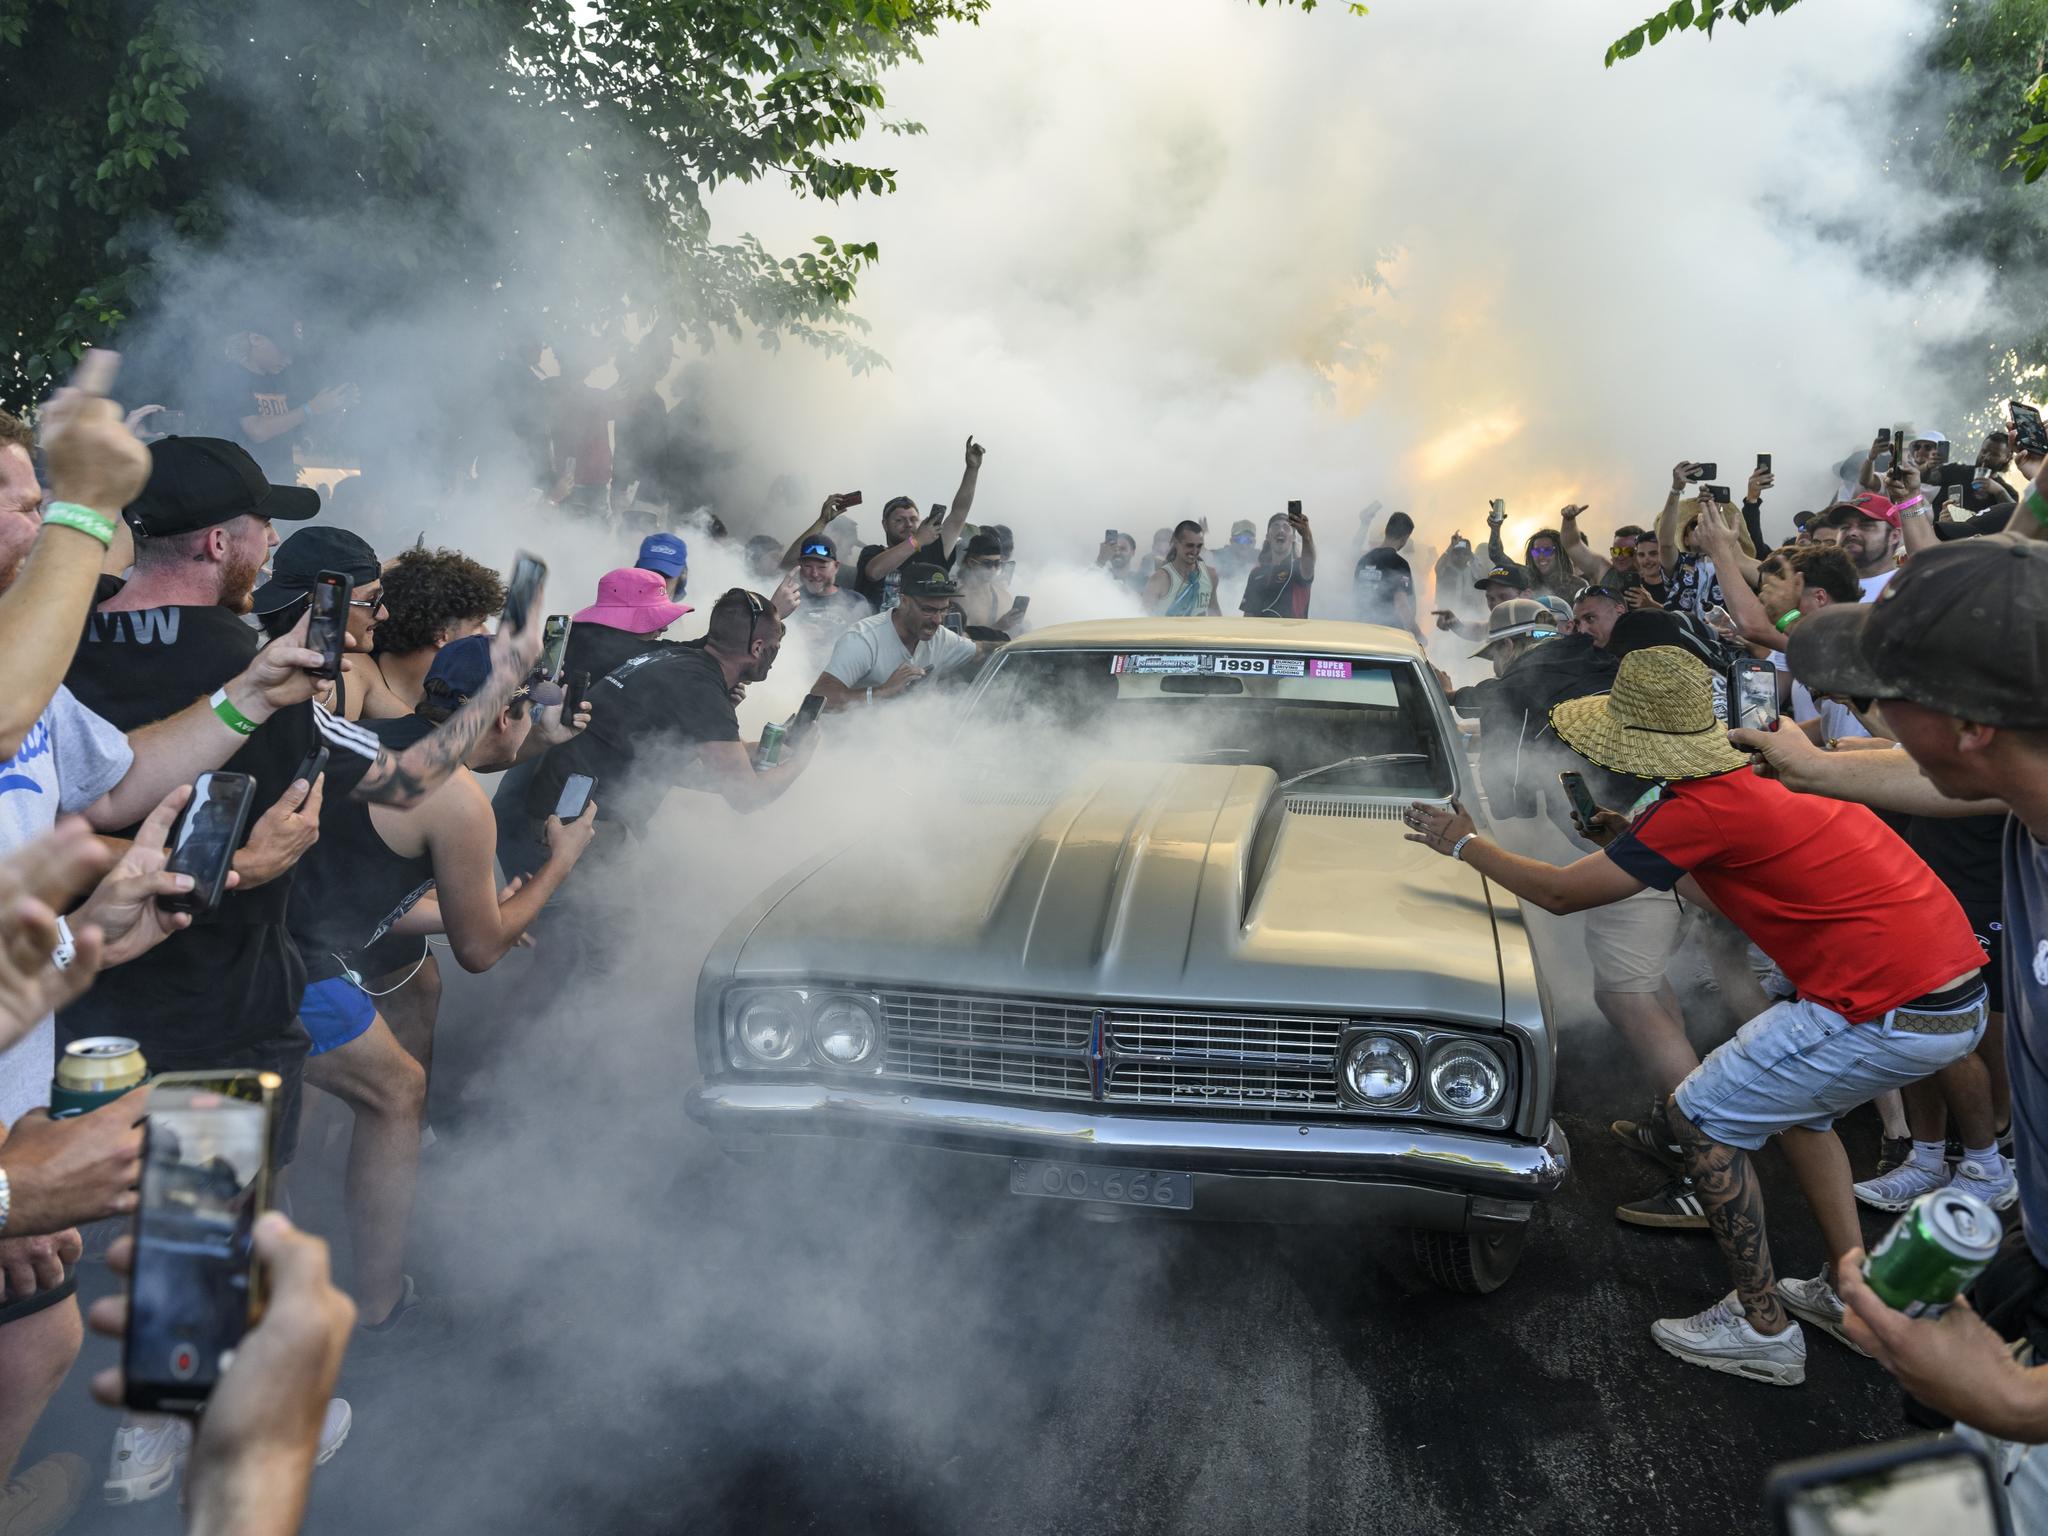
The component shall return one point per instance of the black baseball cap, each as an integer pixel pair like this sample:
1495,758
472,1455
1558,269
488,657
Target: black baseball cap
303,556
1511,575
197,482
1963,629
921,580
898,501
817,547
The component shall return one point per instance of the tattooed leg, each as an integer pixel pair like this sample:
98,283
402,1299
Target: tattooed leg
1734,1203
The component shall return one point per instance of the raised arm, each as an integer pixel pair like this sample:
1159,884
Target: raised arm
1744,606
1305,562
406,778
1576,549
97,465
1667,519
482,929
834,505
1886,779
963,499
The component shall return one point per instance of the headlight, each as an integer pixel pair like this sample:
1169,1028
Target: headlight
1466,1080
845,1032
1379,1070
769,1029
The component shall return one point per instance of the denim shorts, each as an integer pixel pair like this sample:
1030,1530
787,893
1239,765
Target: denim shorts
1799,1064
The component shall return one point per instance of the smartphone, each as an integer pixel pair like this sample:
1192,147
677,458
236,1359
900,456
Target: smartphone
1928,1484
1019,604
1902,434
1718,493
806,717
554,646
1584,806
1752,695
203,843
849,499
195,1289
528,573
1109,535
1293,509
573,692
1703,472
1884,435
2029,434
310,770
575,795
328,629
938,512
1763,464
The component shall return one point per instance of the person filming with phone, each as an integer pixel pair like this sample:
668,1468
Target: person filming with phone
885,656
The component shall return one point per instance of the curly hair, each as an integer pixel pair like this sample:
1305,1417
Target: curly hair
13,430
426,590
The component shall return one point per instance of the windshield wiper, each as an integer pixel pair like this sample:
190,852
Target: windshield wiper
1356,762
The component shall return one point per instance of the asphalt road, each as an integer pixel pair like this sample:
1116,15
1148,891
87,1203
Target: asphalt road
644,1337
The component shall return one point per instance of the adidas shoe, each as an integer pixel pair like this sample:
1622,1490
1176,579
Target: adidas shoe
1650,1137
1676,1205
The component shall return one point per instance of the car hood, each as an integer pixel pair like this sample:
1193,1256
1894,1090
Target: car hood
1147,882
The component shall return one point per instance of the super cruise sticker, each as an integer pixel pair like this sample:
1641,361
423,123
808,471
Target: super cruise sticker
1217,664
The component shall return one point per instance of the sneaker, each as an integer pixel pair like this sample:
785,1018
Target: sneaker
45,1497
1649,1137
1996,1187
1814,1301
1898,1189
1677,1204
148,1450
1893,1152
2005,1143
1721,1339
334,1429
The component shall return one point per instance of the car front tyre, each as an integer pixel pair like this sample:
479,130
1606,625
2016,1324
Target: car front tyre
1470,1263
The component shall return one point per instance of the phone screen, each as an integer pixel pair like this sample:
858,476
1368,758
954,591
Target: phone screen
2027,426
1752,695
527,576
329,624
1950,1494
1583,803
575,795
554,645
205,1180
1763,463
207,835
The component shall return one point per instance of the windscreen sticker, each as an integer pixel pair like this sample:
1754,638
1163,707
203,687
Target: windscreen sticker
1174,663
1289,666
1208,664
1322,668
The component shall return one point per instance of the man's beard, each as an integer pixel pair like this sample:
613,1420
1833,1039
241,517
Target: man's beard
238,578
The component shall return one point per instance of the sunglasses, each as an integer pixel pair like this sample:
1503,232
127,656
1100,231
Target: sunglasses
1622,549
1542,549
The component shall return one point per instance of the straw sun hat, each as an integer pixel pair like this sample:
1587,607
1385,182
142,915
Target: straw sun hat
1657,723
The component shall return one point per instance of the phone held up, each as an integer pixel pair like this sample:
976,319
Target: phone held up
1584,807
195,1288
849,499
575,795
554,646
1752,695
310,768
527,575
1936,1483
1719,493
2030,436
203,843
1700,472
1763,464
327,630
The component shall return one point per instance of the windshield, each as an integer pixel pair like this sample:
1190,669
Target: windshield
1292,713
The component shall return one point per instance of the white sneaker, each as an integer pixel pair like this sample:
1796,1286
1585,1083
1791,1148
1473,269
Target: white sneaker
148,1450
1993,1183
1906,1183
1814,1301
1721,1339
334,1429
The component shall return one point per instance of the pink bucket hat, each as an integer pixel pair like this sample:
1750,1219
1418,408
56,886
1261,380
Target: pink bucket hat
633,600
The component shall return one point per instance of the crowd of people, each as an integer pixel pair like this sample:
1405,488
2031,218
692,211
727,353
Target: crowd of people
1867,873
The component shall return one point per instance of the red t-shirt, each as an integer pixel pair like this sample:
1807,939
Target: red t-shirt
1852,916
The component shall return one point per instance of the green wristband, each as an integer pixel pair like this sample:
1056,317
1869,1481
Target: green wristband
69,514
1788,621
2037,504
230,716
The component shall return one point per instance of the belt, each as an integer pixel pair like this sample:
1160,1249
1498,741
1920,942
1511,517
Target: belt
1961,1010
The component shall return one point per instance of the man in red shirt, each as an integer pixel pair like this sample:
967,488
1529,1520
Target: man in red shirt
1884,960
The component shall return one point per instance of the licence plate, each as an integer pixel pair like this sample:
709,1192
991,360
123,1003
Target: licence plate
1090,1181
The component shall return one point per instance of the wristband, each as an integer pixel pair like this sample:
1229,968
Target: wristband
6,1200
230,716
2037,504
1909,504
69,514
1785,623
1458,848
67,947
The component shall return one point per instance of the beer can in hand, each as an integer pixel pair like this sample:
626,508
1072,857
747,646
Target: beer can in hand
1936,1249
95,1071
771,744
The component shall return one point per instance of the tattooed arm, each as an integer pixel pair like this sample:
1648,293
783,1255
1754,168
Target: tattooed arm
403,779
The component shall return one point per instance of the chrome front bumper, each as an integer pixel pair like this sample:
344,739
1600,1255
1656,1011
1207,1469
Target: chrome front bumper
1241,1170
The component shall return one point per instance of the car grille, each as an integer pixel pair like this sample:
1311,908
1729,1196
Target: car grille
1154,1057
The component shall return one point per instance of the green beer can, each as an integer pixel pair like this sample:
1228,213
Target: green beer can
95,1071
1937,1248
771,744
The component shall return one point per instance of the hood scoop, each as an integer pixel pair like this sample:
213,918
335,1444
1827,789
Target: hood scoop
1331,805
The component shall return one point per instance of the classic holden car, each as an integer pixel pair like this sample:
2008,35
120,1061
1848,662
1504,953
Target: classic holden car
1152,939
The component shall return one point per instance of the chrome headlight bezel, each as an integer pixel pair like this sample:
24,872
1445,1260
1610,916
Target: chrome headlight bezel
1428,1043
805,1006
1402,1041
865,1007
1444,1051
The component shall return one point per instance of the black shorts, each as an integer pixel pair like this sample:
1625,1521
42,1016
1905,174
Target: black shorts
284,1054
1987,922
42,1301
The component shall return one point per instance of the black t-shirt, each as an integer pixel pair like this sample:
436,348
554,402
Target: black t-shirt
351,886
880,591
646,717
1660,592
1966,853
234,392
598,648
234,977
1275,592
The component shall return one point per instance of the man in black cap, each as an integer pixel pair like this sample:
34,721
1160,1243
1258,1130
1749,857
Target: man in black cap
1498,584
877,575
883,656
1956,652
823,610
225,992
281,601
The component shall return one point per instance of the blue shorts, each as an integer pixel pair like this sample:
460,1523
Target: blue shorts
334,1012
1799,1064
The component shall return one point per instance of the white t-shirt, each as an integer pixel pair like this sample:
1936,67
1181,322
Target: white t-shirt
69,759
868,654
1872,585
